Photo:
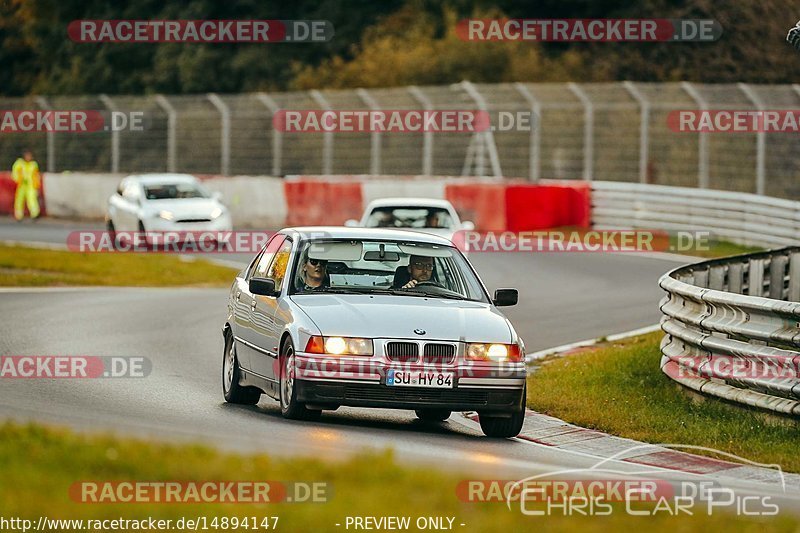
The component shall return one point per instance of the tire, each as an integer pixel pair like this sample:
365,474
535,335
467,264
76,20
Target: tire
110,228
147,242
433,415
505,427
290,407
233,392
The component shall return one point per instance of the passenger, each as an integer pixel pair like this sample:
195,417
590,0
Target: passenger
315,275
432,220
420,268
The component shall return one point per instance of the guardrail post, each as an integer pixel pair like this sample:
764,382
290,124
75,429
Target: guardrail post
327,142
736,278
761,139
755,284
172,127
534,150
702,137
794,278
375,136
487,135
51,140
777,275
644,127
277,136
225,140
427,136
588,130
114,133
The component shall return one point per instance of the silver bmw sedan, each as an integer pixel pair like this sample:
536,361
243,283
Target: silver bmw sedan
330,316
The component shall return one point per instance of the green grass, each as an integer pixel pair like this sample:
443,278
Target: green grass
620,389
39,465
717,249
22,266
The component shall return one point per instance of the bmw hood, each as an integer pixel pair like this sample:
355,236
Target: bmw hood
385,316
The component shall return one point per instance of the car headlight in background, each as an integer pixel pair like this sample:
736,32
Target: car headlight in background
216,213
339,346
166,215
493,353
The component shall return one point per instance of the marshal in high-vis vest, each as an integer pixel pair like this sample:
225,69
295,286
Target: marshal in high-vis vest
25,173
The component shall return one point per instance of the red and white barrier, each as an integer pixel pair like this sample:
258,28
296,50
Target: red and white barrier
263,201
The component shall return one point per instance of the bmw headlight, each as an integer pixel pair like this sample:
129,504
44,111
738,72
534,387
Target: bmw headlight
339,346
493,353
166,215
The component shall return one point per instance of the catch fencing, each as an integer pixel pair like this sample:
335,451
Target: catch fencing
590,131
732,328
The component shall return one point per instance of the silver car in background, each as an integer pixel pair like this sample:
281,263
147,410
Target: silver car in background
427,215
364,337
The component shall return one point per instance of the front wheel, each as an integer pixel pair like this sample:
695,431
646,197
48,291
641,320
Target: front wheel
233,392
507,426
290,407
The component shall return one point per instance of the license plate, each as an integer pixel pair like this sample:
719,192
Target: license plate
436,380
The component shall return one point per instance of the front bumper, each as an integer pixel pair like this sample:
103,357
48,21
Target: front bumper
328,381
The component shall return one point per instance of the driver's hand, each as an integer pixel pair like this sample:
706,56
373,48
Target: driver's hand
410,284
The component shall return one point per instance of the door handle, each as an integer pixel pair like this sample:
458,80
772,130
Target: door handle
238,295
253,304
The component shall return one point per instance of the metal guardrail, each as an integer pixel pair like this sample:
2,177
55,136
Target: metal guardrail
732,328
742,218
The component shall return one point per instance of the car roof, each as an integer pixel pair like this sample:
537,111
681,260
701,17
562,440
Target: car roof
410,202
341,232
154,179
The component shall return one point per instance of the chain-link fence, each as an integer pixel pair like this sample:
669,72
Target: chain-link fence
610,131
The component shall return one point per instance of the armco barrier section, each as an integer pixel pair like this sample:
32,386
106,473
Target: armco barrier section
263,201
737,217
732,328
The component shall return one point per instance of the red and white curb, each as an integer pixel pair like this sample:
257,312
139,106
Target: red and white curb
553,433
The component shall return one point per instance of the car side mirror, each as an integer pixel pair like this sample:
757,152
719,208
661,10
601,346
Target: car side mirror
262,286
467,226
351,223
505,297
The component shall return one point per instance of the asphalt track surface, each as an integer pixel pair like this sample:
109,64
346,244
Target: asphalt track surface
563,298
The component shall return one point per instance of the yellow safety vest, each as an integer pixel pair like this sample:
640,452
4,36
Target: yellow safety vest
26,173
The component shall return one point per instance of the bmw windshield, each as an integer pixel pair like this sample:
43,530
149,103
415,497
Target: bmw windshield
398,268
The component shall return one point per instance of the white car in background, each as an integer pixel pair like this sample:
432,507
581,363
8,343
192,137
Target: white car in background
165,202
427,215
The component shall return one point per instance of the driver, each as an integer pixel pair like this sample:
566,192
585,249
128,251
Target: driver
315,274
420,269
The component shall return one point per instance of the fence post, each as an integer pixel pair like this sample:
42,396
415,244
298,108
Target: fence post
534,150
225,140
487,134
172,126
702,139
375,136
327,146
588,130
51,140
114,134
761,140
427,136
644,128
277,135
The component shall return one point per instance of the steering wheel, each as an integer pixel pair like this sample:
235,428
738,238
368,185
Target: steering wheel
425,283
